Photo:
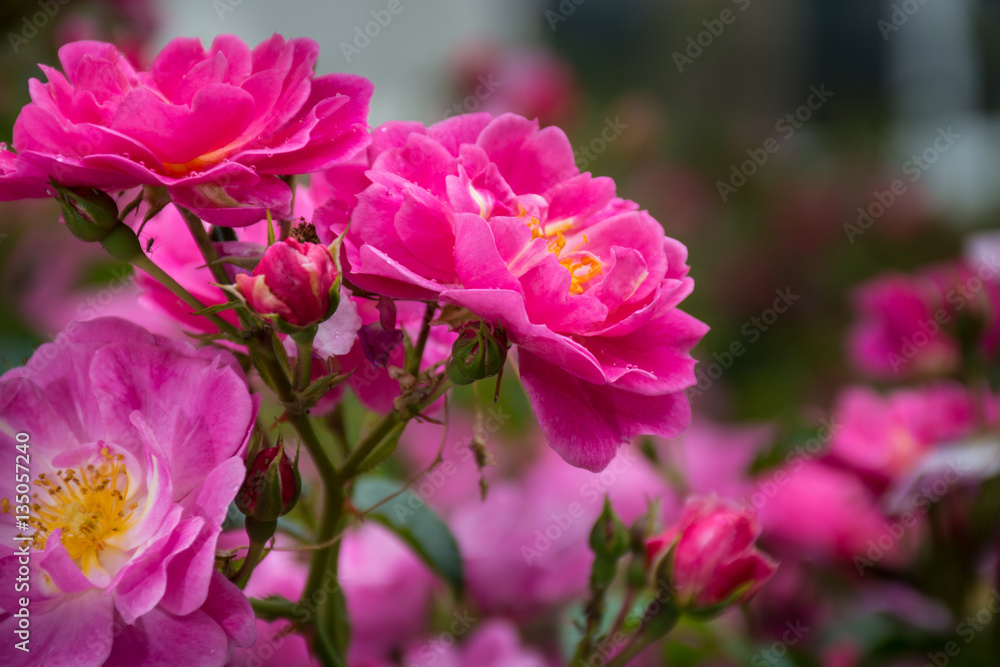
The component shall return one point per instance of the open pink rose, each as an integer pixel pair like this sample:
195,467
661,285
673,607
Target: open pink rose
493,215
135,445
216,127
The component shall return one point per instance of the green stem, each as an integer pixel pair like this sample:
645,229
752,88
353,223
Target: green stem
632,649
146,264
304,345
330,625
249,563
413,363
205,245
385,427
272,608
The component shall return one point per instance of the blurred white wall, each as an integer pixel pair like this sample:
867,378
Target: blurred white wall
407,59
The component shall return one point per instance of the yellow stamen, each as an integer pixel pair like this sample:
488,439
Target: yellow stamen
89,506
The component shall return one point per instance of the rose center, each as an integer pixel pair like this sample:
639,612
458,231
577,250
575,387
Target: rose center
88,504
582,266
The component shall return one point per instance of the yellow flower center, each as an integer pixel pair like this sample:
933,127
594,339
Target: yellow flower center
582,266
88,504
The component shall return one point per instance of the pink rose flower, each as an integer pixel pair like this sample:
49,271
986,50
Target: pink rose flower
492,214
885,437
215,128
154,430
715,561
493,643
822,514
535,529
908,325
292,282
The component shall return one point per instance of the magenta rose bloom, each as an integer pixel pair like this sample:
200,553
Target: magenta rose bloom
216,127
715,561
910,325
492,214
135,444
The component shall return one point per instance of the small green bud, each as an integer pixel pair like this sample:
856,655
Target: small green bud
480,351
89,213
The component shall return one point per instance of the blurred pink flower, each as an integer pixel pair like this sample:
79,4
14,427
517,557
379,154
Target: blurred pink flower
388,591
533,82
908,325
525,547
820,513
493,643
715,561
215,128
155,430
885,437
492,214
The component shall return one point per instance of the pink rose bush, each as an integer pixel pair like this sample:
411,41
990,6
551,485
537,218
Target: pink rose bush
354,278
492,215
136,445
216,128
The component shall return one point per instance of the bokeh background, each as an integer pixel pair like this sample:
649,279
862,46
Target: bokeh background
766,135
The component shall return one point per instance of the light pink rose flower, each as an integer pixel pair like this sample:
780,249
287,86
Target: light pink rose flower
885,437
493,215
824,514
388,591
493,643
216,128
535,529
154,429
714,558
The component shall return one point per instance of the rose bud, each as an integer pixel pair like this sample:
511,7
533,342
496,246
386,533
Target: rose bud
89,213
480,351
710,558
271,486
294,283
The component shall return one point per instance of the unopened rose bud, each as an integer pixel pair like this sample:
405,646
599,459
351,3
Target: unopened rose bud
294,283
271,487
710,556
609,541
480,351
89,213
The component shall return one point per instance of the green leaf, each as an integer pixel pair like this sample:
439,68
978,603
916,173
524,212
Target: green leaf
218,308
421,528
